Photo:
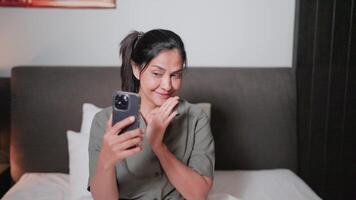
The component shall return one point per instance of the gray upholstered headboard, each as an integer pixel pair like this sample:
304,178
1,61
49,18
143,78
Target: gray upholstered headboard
253,113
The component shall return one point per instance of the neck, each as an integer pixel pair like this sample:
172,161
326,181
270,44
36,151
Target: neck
146,106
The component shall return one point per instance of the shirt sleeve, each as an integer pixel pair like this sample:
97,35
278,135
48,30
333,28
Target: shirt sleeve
202,159
96,134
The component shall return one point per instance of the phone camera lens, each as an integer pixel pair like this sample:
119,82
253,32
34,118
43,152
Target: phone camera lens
122,102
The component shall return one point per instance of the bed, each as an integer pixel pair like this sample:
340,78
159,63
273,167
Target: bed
252,113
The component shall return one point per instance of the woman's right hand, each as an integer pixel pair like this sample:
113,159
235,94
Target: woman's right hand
117,145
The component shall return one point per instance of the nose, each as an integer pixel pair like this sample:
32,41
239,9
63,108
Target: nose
166,83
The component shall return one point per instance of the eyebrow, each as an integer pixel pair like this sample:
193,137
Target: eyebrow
161,68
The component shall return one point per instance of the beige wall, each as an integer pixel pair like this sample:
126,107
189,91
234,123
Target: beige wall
248,33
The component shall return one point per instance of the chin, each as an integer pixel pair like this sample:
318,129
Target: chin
159,101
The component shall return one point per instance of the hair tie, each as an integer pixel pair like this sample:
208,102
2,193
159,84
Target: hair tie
139,36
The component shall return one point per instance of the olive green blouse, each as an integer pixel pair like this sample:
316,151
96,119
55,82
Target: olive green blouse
141,176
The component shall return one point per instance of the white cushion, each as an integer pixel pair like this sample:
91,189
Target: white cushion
78,154
89,111
78,164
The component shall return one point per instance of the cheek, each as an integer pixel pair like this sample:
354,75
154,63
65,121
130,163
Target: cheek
177,84
149,82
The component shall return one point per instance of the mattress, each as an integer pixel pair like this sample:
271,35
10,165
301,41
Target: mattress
278,184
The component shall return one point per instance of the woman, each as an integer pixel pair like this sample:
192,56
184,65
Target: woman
171,155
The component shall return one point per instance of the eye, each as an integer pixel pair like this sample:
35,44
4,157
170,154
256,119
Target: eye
176,75
157,74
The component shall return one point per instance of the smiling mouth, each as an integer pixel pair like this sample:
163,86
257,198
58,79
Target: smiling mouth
164,95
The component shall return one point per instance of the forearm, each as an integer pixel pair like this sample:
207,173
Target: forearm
103,184
188,182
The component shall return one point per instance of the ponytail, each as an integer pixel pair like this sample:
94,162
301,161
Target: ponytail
129,82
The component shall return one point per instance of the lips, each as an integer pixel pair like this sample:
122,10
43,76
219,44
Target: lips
163,95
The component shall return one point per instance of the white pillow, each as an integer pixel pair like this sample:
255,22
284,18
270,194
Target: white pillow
78,154
89,111
78,165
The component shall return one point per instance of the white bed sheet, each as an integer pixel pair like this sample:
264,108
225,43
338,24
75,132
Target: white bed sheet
276,184
40,186
279,184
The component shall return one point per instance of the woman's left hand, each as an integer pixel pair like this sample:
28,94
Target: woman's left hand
158,121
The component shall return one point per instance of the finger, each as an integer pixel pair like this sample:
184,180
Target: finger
115,141
171,116
164,106
169,109
109,123
117,128
172,100
168,102
137,141
129,152
129,135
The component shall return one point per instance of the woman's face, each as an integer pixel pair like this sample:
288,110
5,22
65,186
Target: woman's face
161,79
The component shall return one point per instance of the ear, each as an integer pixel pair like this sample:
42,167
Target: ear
135,70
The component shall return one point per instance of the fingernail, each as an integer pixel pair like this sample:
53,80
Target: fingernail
132,118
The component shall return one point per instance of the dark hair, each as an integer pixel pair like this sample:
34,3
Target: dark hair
141,48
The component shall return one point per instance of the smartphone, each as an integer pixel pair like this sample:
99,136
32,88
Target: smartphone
126,104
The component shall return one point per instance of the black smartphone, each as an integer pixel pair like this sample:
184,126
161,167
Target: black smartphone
126,104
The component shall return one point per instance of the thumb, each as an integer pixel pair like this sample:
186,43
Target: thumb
109,123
